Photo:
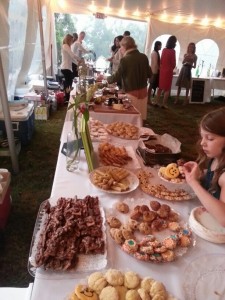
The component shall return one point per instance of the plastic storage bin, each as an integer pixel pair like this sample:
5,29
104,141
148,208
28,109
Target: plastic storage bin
22,116
5,197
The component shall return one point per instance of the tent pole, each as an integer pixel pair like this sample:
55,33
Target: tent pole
7,119
40,20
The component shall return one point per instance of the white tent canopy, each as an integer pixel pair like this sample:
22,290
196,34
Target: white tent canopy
19,49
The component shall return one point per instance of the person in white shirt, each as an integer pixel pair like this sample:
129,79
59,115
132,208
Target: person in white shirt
66,66
77,46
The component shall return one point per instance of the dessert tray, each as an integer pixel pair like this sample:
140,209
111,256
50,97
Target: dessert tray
114,180
149,232
118,284
117,155
123,130
206,226
58,227
151,185
204,278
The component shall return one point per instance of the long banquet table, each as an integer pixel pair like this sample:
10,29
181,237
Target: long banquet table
52,285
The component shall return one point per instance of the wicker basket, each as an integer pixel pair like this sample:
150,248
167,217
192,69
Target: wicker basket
151,159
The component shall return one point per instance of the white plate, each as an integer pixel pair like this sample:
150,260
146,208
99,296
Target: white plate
204,278
171,180
133,180
206,226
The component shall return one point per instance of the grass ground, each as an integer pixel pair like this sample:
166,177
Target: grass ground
37,163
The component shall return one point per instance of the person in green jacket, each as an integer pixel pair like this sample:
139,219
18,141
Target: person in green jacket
134,72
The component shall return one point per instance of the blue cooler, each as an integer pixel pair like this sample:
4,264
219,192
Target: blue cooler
22,116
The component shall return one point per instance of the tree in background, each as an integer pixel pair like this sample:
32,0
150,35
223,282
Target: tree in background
63,24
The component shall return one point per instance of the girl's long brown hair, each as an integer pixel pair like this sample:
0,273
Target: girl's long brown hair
213,122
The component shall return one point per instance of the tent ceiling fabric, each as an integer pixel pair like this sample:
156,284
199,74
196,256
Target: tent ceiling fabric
199,9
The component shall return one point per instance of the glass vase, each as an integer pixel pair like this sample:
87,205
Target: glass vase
73,151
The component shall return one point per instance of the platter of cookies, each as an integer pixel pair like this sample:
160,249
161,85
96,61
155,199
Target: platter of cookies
123,130
68,237
114,180
149,231
116,284
172,173
151,186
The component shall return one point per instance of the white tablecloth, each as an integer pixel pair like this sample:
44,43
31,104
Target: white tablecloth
52,286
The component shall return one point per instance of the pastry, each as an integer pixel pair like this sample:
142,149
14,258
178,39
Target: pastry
109,292
144,228
174,226
155,205
170,243
141,255
114,277
144,208
122,207
131,280
172,171
133,224
130,246
144,294
149,216
147,283
169,255
113,222
117,235
127,234
83,292
132,295
121,290
97,281
73,297
158,288
184,241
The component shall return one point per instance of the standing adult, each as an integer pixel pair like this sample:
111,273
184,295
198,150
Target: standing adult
66,66
167,65
74,66
184,78
116,54
78,49
134,72
155,65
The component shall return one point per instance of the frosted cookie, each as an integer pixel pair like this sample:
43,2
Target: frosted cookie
169,255
97,282
144,294
147,283
170,243
184,241
130,246
121,290
131,280
109,292
132,295
141,256
114,277
83,292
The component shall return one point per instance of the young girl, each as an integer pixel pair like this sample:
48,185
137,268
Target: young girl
209,184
